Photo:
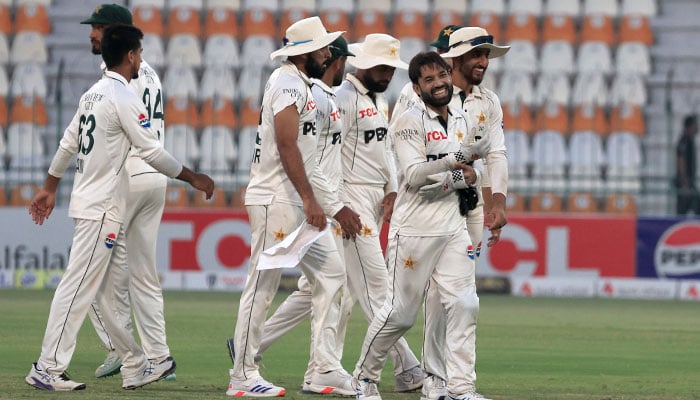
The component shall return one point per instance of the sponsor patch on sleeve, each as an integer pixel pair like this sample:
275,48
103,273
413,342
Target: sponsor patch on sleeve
144,121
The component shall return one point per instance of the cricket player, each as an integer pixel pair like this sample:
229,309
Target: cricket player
428,239
285,182
146,201
297,307
110,120
369,182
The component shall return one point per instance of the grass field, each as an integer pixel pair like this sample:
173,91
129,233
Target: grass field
528,348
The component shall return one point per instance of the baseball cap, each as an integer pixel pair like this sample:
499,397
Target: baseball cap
339,48
109,14
443,39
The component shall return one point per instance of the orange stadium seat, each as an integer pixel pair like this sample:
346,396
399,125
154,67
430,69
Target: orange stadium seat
184,20
409,24
217,200
181,111
337,20
546,202
149,19
598,28
636,28
250,113
628,118
218,111
3,111
22,194
590,117
5,19
558,27
28,109
518,117
176,197
220,21
238,198
515,202
3,197
582,202
368,21
521,26
291,16
489,21
258,21
553,117
620,203
442,18
32,17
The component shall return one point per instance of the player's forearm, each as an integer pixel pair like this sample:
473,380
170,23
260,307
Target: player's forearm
51,183
417,174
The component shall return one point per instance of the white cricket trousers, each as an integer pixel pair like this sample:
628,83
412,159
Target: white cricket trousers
413,262
368,277
138,276
97,246
297,307
433,354
321,265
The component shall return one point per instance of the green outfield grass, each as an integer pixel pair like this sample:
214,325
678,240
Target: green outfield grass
527,349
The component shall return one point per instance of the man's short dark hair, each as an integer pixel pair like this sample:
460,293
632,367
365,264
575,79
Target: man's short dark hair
689,121
117,41
421,60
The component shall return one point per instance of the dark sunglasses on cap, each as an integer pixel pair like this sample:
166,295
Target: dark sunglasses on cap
475,42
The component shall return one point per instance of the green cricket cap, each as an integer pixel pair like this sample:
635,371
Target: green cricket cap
339,48
443,39
109,14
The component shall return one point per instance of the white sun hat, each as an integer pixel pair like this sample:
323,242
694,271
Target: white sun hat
377,49
305,36
469,38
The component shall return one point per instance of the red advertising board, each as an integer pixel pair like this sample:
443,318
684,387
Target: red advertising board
562,246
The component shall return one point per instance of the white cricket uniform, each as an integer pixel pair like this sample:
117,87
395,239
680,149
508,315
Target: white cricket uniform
146,202
276,209
368,177
110,119
297,306
427,241
432,360
486,120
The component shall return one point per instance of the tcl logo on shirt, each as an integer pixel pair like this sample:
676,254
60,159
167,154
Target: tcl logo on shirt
368,112
436,135
311,105
335,115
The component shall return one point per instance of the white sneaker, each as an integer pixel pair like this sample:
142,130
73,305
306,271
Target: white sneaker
337,382
155,371
110,366
306,387
46,381
466,396
434,388
409,380
366,389
254,387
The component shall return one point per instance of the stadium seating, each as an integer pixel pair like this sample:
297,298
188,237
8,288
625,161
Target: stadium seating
487,14
557,57
586,160
176,197
28,46
22,194
153,50
28,80
518,146
368,21
515,202
598,22
221,49
559,22
218,200
624,161
32,17
217,81
26,152
220,21
522,21
149,18
549,158
181,142
180,81
552,88
546,202
219,153
582,202
620,203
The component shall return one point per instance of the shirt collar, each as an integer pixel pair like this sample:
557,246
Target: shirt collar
356,82
116,76
289,65
433,115
322,85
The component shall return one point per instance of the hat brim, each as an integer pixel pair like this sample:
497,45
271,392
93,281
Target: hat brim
92,20
304,48
365,61
495,51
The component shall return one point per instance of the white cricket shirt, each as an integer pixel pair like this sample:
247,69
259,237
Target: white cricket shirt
365,128
420,138
330,136
110,119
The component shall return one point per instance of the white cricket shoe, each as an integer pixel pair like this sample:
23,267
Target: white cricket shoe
366,389
47,381
466,396
434,388
254,387
110,366
154,371
409,380
337,382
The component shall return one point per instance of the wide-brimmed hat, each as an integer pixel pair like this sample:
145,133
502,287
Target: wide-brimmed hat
443,39
377,49
109,14
305,36
472,37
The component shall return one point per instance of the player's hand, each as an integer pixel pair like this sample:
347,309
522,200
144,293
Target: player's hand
388,206
204,183
42,205
494,238
496,218
349,220
476,150
314,214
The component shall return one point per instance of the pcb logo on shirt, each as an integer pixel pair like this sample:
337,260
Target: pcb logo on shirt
110,240
144,121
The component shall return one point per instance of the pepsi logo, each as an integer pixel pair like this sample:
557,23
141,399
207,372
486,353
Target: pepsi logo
110,240
144,121
677,253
